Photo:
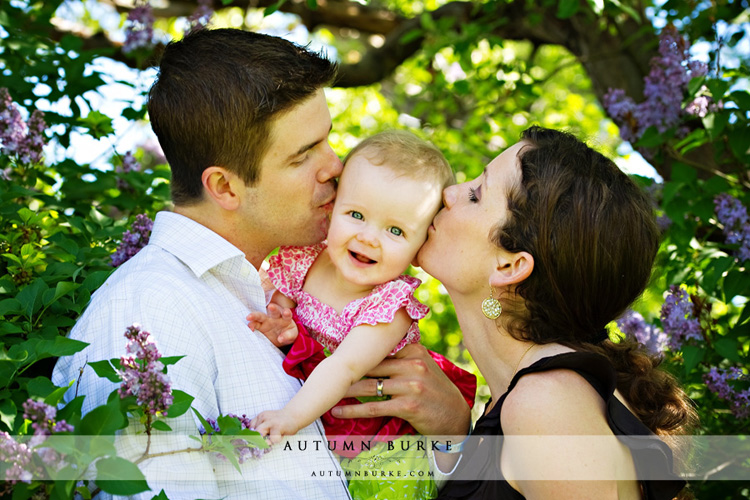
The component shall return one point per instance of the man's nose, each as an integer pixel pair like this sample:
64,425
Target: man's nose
332,167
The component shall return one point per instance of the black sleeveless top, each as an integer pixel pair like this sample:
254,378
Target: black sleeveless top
651,456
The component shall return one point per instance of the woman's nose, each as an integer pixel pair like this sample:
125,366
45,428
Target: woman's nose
450,195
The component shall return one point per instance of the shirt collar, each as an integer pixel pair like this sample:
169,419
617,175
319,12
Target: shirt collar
194,244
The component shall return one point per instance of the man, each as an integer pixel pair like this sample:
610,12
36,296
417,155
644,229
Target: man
243,121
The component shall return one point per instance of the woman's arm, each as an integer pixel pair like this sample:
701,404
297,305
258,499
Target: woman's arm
362,349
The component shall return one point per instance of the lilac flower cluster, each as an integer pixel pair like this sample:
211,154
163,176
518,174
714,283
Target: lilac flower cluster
133,240
200,18
139,30
677,318
241,447
42,417
20,138
732,214
652,337
718,382
142,373
129,164
18,454
664,90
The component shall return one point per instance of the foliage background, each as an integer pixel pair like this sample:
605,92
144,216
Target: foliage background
469,76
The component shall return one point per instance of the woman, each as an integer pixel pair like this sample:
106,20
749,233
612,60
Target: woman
562,242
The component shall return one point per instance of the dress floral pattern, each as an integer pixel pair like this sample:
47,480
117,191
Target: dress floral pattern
287,272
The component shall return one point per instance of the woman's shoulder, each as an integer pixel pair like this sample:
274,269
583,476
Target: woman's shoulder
556,400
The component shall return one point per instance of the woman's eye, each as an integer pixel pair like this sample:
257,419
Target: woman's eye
356,215
396,231
473,195
299,161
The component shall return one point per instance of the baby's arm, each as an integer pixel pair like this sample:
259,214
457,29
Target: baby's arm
362,349
276,323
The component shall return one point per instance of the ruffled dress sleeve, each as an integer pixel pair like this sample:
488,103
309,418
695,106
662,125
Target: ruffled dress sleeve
287,269
381,306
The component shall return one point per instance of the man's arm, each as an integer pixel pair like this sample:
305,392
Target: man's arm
420,394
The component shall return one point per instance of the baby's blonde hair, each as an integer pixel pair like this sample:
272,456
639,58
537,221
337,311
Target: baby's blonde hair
405,153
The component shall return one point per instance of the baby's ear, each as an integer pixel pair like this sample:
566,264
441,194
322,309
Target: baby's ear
512,269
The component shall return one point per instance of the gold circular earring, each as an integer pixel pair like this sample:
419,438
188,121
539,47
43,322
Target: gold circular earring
491,307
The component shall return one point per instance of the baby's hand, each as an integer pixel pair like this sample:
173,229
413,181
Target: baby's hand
277,324
274,424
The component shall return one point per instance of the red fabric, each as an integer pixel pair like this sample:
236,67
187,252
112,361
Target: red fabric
306,353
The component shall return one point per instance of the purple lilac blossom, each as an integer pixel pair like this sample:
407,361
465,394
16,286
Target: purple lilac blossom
129,164
133,240
732,214
633,325
664,89
718,382
200,18
142,373
677,318
42,417
139,32
18,454
241,447
25,140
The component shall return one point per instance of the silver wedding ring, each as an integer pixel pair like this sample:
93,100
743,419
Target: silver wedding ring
379,388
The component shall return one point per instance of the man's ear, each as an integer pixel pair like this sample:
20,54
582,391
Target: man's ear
512,268
222,186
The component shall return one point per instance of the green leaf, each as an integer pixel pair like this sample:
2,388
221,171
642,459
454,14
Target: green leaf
312,4
103,420
715,124
95,279
739,143
695,85
714,271
8,412
203,421
10,306
228,425
718,88
160,496
650,138
160,425
118,476
62,288
411,35
170,360
692,355
54,397
60,346
728,348
85,493
98,124
40,387
180,404
31,297
683,173
105,369
735,283
567,8
741,97
273,8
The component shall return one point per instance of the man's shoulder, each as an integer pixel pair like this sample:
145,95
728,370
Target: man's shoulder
150,271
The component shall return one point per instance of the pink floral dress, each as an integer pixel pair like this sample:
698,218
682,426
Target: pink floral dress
287,272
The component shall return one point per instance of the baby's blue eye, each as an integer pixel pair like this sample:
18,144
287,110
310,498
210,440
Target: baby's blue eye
397,231
357,215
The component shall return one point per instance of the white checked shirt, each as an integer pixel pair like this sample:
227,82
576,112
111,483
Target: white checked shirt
192,289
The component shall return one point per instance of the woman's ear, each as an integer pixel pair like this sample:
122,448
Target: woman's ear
512,268
222,186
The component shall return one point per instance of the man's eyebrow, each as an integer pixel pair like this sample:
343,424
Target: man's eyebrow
308,147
